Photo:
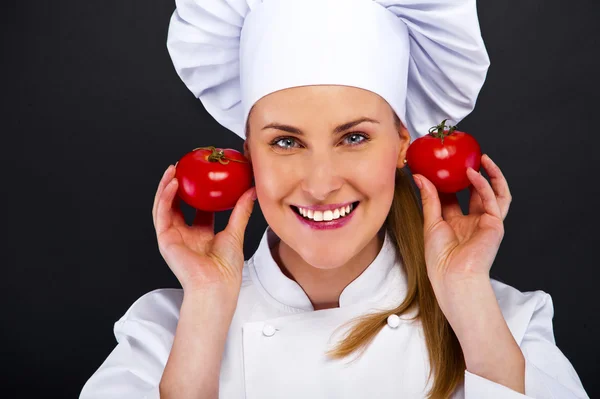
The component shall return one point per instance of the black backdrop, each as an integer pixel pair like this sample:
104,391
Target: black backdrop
93,112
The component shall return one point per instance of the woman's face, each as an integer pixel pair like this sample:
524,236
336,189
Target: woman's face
317,164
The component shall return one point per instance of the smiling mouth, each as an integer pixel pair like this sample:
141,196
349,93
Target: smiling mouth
325,216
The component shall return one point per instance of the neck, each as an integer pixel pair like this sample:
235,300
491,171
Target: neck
324,286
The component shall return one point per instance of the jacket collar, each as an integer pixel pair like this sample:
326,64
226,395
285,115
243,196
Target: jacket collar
288,293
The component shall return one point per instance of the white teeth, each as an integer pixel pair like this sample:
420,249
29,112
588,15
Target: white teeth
319,216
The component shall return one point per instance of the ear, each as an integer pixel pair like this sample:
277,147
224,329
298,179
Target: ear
404,144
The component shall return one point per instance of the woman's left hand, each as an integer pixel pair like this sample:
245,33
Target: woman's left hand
462,247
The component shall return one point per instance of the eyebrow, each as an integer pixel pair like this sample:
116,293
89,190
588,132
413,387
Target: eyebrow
337,130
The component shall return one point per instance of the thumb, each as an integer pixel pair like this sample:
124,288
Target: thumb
240,215
432,209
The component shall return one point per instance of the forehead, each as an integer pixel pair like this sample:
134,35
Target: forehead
326,101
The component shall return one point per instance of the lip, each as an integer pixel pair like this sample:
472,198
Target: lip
323,208
332,224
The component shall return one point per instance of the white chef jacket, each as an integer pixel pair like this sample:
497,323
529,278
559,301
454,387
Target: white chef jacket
276,344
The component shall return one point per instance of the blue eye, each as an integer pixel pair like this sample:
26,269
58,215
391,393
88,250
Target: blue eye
364,138
290,141
283,139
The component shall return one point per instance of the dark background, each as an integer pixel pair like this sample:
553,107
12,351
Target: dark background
93,113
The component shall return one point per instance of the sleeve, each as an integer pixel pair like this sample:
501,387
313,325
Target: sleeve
548,373
144,337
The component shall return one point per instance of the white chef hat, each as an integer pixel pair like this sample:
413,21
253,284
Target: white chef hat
426,58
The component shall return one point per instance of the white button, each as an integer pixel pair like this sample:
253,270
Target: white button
393,320
268,330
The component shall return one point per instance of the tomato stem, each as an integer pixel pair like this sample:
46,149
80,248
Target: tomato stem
440,131
217,155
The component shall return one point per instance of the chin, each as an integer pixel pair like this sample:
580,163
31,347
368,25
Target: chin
326,258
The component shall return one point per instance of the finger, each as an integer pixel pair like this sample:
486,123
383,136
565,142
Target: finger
177,214
450,205
240,216
432,212
499,184
164,211
488,198
475,204
204,221
166,178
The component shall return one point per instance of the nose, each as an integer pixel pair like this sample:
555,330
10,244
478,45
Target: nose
321,176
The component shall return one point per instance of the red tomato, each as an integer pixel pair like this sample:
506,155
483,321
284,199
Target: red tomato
443,156
213,179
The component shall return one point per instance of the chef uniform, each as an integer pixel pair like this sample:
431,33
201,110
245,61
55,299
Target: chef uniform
276,344
426,58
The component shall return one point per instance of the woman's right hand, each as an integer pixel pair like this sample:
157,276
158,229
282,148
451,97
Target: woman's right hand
200,259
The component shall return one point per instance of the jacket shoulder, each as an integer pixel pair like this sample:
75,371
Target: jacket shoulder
520,308
158,307
144,338
162,306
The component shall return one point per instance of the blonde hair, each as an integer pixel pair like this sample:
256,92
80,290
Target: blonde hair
405,225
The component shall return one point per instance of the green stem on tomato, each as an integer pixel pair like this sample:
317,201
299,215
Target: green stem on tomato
217,156
439,131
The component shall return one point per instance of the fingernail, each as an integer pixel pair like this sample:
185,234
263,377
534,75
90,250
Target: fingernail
254,196
418,182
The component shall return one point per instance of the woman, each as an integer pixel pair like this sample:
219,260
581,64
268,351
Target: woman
385,301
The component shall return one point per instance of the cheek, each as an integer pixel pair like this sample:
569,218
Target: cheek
376,175
272,181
